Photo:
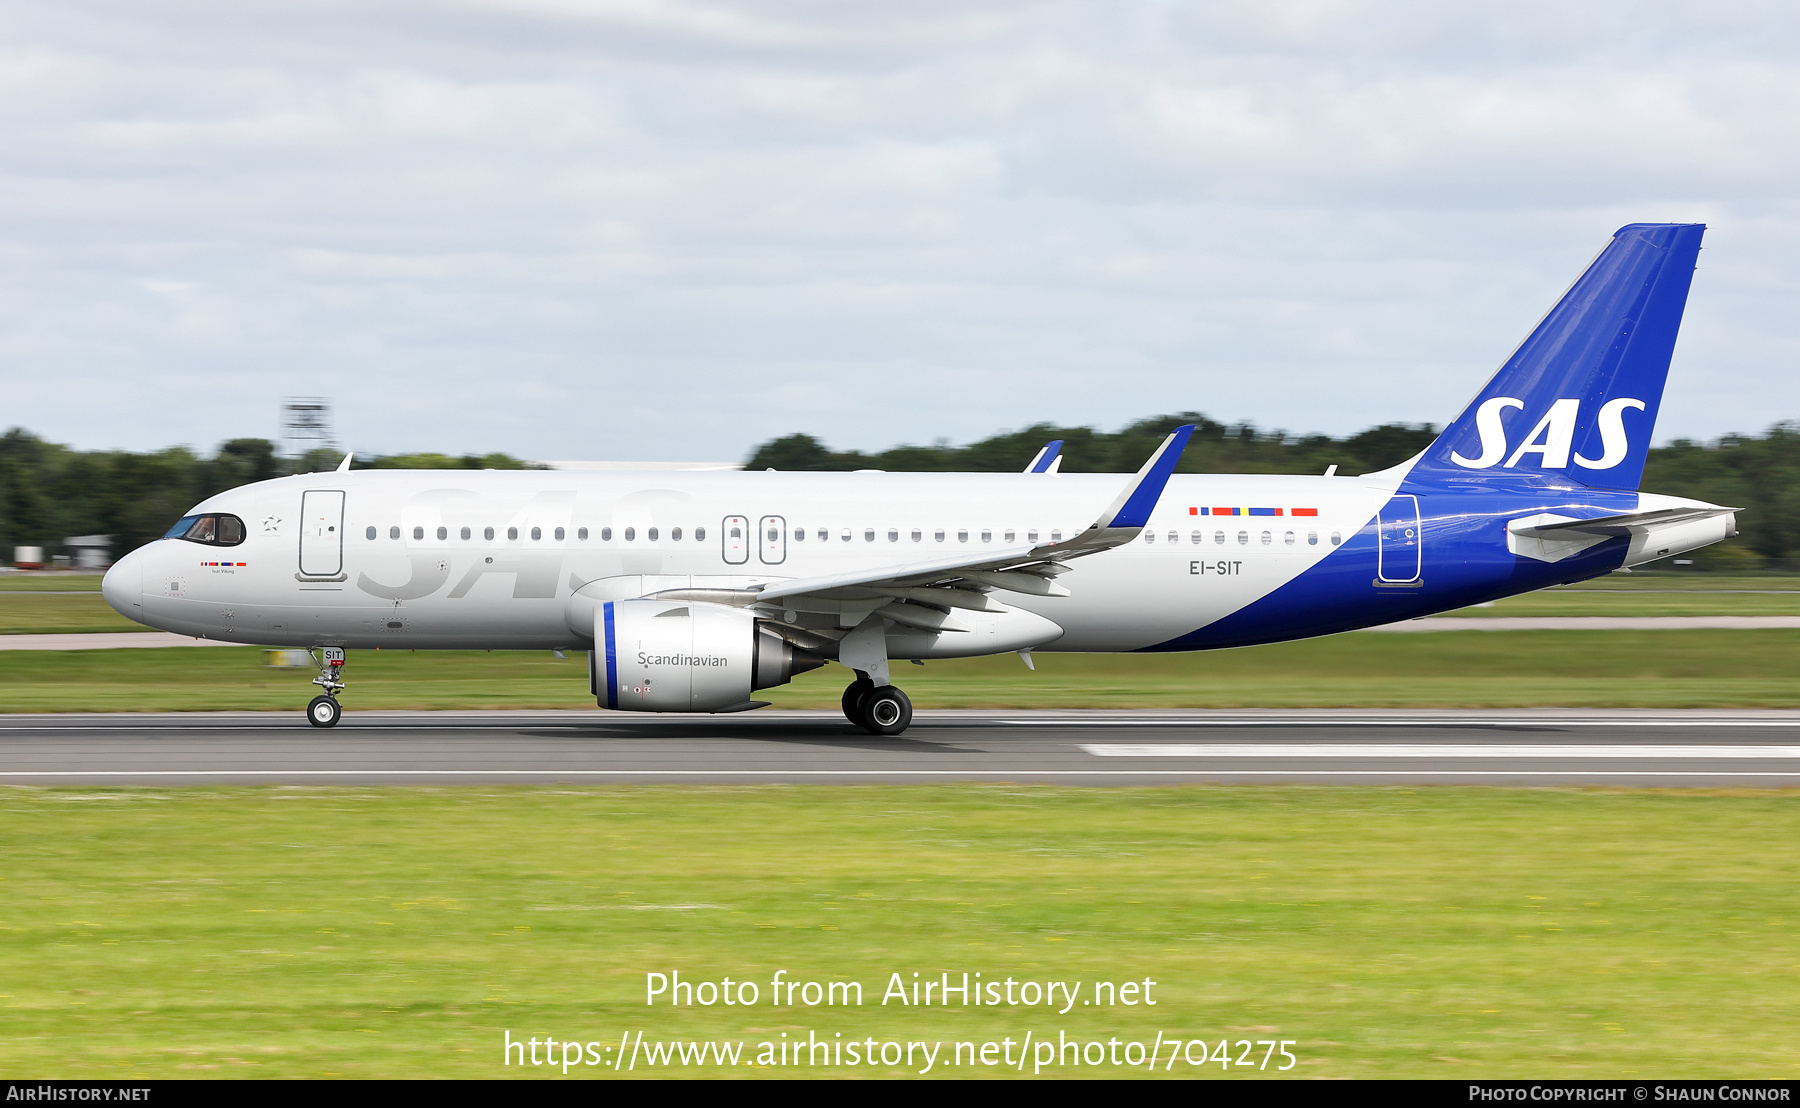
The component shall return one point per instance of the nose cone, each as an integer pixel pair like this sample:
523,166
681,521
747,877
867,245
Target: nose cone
123,586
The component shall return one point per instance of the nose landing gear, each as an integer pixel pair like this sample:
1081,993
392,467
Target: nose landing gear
324,711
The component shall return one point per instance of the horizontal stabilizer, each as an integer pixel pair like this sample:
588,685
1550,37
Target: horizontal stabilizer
1611,526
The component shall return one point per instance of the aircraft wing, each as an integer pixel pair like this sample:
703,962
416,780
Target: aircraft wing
1025,569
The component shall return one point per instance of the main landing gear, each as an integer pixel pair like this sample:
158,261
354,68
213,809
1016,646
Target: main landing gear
879,711
324,710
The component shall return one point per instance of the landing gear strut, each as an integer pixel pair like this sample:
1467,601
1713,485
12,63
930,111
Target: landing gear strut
871,702
324,710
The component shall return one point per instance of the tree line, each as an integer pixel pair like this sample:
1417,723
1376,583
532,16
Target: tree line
50,492
1759,473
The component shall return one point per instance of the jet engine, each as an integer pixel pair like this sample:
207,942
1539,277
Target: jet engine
683,656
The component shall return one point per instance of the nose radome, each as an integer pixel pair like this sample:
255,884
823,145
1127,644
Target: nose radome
123,586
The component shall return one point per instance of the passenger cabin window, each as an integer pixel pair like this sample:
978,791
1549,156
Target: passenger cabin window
606,534
631,533
987,536
1149,535
845,535
1009,536
917,534
1031,536
1312,538
869,535
537,534
962,536
893,535
464,532
651,534
1056,536
512,533
824,535
1219,537
1335,538
487,533
418,533
210,530
1243,538
443,533
938,535
799,534
371,533
699,534
1195,538
1288,538
581,534
1267,538
675,533
559,534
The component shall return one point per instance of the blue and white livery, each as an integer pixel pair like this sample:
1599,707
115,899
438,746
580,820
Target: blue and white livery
691,591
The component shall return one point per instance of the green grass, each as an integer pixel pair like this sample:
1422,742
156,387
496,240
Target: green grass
1650,669
49,582
1452,933
28,613
1623,602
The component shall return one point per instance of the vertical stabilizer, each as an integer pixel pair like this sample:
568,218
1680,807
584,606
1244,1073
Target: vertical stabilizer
1578,398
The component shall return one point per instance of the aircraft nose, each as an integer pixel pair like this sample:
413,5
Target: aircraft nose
123,586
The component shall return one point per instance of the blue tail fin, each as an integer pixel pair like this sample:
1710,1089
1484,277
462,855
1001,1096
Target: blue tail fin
1578,398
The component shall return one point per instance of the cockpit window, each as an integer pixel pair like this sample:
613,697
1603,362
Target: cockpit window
213,530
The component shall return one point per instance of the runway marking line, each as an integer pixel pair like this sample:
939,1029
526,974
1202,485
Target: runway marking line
1427,750
1352,721
1013,774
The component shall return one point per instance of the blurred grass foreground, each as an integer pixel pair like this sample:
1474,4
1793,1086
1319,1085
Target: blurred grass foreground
1390,932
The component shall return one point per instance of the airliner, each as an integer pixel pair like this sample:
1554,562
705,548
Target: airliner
691,591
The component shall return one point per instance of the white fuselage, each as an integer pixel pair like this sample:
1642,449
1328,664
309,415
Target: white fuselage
562,543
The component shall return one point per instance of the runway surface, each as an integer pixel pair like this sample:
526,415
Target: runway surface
1758,749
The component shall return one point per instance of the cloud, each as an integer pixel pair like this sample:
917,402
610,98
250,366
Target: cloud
675,229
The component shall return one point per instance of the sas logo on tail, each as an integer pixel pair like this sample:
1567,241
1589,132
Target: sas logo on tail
1553,437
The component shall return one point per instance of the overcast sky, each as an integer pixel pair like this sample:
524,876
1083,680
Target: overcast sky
641,229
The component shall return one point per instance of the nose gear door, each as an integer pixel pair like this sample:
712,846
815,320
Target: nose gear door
321,533
1398,556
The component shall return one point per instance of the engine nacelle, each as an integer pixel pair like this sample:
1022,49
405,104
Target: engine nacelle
682,656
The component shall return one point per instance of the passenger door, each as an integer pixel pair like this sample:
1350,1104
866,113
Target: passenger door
321,533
